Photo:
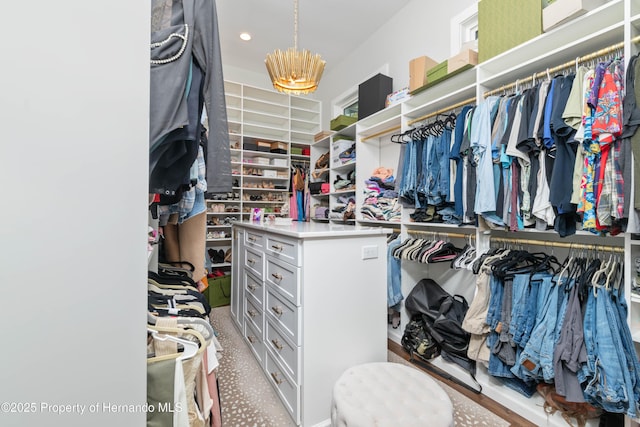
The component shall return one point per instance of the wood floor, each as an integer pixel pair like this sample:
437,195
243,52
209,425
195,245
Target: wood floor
515,419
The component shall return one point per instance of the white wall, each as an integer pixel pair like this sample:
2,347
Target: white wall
73,167
248,77
420,28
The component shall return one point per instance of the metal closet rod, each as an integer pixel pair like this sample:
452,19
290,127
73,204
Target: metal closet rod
382,132
443,110
561,67
435,233
606,248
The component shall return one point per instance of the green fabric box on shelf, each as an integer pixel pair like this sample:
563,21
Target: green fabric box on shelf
219,291
436,73
503,24
342,122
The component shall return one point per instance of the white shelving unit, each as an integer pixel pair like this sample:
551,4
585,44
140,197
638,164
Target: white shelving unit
614,22
336,170
220,216
262,178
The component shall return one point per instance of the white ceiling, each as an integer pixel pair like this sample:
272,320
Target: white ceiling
332,28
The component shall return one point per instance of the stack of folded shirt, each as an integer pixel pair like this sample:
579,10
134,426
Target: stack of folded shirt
381,200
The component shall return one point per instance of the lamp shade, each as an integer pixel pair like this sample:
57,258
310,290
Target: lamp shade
293,71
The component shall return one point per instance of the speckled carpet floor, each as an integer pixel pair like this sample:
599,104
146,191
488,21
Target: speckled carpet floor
247,399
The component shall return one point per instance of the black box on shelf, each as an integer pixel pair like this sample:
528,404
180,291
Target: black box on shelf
251,146
372,95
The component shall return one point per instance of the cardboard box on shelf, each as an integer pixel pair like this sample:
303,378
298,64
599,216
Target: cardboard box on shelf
278,147
264,145
278,162
561,11
418,71
322,135
464,58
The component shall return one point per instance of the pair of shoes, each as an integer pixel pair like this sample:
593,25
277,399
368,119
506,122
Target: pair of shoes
227,255
349,153
340,183
216,273
211,235
217,256
216,208
213,221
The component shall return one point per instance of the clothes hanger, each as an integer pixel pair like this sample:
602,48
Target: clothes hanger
190,348
188,321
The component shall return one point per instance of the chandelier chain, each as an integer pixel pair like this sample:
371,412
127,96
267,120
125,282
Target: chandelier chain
295,24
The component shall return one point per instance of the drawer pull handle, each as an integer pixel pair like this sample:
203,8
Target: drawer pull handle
277,310
277,344
251,239
252,313
251,261
278,247
251,339
276,276
252,287
274,375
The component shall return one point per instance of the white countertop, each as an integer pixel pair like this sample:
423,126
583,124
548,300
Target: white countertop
304,230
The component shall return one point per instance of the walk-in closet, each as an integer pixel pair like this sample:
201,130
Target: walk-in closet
335,214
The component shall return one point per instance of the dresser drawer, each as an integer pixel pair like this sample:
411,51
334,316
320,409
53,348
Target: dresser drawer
283,314
286,388
254,314
253,260
254,239
285,277
254,339
253,287
283,248
288,354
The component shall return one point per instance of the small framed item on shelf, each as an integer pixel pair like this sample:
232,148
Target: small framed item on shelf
257,214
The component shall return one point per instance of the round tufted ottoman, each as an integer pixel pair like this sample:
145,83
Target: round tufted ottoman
389,395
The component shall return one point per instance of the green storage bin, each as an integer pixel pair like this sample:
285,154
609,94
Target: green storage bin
438,72
504,24
219,291
339,137
342,122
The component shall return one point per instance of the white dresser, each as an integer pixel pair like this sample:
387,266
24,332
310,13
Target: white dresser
311,301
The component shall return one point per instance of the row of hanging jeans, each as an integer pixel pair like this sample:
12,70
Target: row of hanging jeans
425,170
536,321
182,351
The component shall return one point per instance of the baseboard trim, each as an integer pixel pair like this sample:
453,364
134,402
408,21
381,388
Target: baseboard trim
480,399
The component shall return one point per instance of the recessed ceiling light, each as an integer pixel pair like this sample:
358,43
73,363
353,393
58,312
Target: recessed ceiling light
245,36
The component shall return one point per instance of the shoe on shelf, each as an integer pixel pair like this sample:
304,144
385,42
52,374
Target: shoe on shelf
227,255
348,154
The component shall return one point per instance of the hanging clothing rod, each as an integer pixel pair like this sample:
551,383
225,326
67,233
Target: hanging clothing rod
443,110
382,132
561,67
606,248
435,233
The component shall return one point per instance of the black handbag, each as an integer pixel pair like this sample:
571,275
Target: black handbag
418,342
443,314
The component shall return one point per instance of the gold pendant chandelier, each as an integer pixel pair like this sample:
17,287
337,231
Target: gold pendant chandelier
292,71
